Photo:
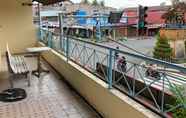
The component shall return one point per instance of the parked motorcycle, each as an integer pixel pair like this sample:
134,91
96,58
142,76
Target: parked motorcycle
153,73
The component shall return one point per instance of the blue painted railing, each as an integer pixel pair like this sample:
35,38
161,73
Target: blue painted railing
133,79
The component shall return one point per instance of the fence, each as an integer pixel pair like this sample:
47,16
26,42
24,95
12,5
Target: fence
122,70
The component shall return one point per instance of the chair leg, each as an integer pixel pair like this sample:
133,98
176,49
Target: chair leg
11,81
29,77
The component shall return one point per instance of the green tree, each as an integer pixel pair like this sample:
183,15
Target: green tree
102,3
173,15
178,105
85,1
162,50
174,2
95,2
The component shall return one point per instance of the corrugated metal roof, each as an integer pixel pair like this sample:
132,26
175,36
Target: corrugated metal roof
150,8
48,2
154,15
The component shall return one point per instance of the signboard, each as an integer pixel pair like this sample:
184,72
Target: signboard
124,18
115,17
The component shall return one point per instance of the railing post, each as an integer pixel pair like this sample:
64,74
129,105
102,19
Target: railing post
39,34
67,48
62,46
83,54
49,39
110,68
163,92
134,81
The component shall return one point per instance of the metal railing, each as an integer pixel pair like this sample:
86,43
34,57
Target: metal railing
127,75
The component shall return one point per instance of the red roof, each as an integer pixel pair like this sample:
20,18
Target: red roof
154,15
131,21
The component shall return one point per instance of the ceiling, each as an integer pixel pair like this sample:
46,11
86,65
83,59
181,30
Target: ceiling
48,2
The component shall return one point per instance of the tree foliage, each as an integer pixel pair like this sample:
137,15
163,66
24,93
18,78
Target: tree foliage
85,1
174,2
95,2
175,14
102,3
162,50
178,106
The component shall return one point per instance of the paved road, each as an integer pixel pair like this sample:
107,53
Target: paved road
144,46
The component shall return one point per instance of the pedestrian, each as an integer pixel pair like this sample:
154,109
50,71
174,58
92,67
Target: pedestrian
122,64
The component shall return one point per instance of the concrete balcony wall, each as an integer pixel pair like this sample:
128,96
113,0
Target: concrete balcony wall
110,103
16,26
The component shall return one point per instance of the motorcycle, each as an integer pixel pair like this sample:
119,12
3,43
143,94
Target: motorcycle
153,73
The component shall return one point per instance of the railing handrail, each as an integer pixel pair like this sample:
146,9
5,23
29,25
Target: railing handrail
147,58
133,79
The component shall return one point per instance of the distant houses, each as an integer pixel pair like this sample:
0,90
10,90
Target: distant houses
50,18
154,20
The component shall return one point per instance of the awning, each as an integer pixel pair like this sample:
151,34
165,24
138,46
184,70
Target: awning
48,2
51,13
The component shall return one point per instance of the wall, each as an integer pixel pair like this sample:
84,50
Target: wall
177,37
110,103
174,34
16,26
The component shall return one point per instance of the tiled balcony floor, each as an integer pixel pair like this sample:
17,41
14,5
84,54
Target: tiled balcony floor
48,97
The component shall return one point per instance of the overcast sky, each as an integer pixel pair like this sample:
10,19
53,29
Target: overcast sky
130,3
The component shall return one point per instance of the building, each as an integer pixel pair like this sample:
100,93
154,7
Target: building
50,15
154,19
50,18
73,7
177,40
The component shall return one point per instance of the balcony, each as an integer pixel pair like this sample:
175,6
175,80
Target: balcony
91,70
86,68
48,97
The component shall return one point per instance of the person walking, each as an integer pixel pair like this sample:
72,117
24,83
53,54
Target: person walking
122,64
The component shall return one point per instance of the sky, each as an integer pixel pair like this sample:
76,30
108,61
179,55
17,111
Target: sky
130,3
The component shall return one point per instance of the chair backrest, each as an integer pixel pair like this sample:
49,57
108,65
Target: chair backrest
9,60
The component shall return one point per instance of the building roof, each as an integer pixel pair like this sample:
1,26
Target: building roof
48,2
151,8
69,8
154,15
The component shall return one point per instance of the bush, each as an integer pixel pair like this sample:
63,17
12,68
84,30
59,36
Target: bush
180,99
162,50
